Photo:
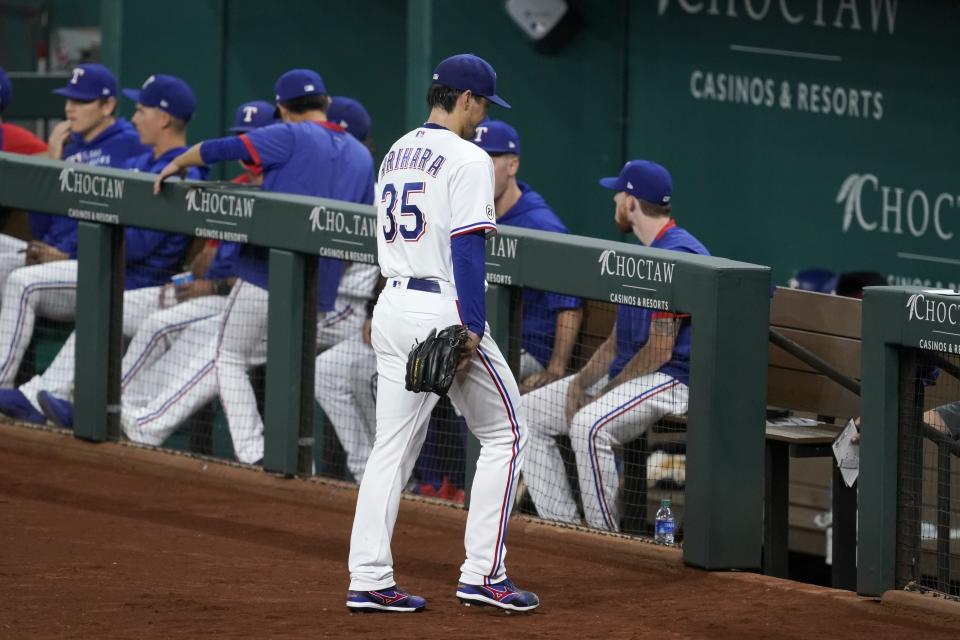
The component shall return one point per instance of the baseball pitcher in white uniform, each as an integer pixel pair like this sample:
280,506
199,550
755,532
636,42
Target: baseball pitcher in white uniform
435,207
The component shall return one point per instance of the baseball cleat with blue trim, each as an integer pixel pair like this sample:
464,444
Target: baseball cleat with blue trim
57,410
389,599
504,595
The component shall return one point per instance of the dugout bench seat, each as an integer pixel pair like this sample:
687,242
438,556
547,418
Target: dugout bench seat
828,327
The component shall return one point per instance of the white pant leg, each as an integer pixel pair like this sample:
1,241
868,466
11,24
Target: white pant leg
12,255
615,418
242,338
344,382
342,323
59,377
155,334
197,338
190,386
47,289
488,395
398,319
528,365
544,472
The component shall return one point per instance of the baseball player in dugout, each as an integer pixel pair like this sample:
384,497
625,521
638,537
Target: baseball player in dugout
435,208
89,134
166,324
307,155
164,106
550,320
637,376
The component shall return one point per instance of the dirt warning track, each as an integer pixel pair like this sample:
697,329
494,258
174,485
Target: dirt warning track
112,541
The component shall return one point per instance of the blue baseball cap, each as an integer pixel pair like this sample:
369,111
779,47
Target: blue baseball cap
643,179
89,82
469,72
167,93
496,136
252,115
6,90
297,83
351,115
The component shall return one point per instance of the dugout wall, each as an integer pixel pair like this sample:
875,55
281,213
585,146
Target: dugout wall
909,528
729,300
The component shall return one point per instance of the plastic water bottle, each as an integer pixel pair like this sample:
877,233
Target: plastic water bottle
665,524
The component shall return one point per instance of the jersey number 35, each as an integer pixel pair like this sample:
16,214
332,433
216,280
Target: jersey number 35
409,230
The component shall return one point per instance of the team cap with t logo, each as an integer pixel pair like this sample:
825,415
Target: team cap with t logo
643,179
496,137
167,93
89,82
468,72
252,115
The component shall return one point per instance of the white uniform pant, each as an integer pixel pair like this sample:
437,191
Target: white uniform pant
613,419
345,381
58,378
221,367
179,328
487,394
49,290
12,256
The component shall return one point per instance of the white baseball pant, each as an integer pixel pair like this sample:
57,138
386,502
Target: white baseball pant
12,255
345,382
49,290
221,369
485,391
614,418
181,325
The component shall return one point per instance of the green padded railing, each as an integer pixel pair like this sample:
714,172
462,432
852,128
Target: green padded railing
728,301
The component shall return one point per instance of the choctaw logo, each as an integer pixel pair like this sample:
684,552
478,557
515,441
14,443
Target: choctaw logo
893,210
88,184
939,311
633,267
223,204
323,219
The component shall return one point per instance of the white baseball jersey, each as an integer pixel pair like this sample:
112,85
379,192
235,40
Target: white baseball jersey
432,186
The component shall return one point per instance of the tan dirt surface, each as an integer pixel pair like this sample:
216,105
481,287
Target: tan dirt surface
113,541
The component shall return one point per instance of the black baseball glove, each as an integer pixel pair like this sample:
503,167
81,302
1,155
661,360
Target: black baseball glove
432,363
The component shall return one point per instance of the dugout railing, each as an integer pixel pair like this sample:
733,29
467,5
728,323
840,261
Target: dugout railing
909,512
729,300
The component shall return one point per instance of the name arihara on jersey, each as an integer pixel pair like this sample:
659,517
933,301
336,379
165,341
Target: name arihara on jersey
433,186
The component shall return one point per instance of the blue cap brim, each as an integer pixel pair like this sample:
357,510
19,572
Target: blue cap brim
497,100
240,129
611,183
73,94
133,94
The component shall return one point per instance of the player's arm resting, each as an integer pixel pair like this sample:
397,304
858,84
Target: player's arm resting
205,153
599,362
654,354
596,368
568,325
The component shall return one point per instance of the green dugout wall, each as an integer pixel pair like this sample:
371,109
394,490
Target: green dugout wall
729,302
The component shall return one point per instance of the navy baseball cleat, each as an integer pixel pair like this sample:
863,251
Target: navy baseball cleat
59,412
389,599
14,404
504,595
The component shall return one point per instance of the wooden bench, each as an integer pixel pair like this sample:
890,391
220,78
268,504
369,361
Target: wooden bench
829,328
